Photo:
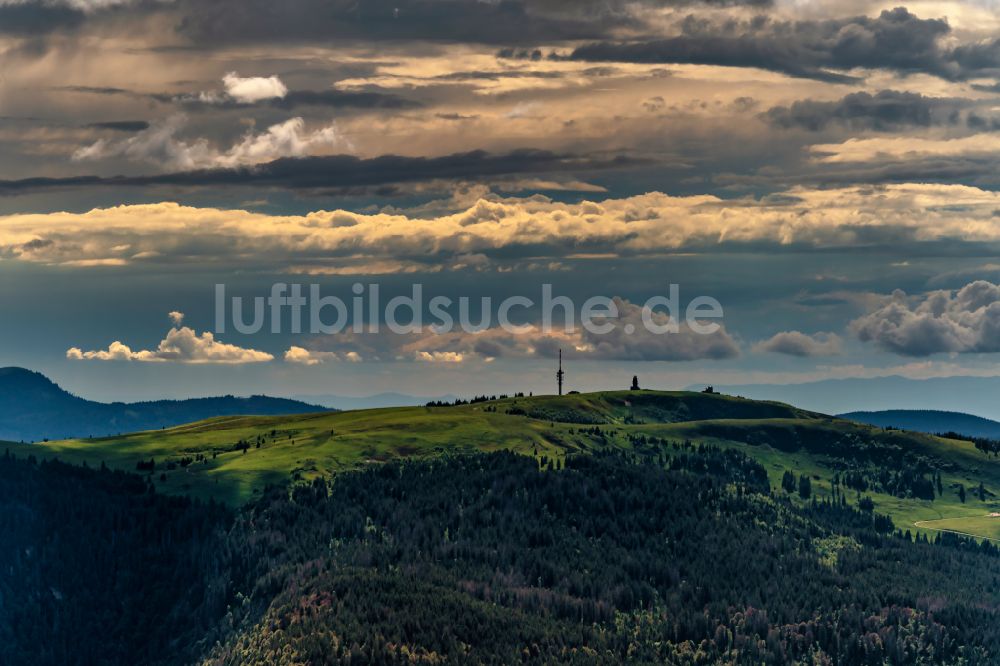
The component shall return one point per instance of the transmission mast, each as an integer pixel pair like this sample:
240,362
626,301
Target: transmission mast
560,374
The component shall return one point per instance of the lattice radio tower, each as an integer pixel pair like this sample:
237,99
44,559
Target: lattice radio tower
560,374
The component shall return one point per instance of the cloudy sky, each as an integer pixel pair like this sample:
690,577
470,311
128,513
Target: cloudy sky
828,171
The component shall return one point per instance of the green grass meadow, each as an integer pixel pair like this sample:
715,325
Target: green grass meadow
279,450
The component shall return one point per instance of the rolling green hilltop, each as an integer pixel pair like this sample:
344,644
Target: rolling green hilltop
915,478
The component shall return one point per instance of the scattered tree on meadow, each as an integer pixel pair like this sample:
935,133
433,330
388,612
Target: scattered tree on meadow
788,481
805,486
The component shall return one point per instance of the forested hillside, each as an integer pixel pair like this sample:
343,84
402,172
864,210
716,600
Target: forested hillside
33,408
686,555
97,568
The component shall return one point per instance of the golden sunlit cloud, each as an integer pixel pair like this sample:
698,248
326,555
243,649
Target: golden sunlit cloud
180,345
342,242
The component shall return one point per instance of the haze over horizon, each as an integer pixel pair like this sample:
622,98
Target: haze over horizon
837,195
959,394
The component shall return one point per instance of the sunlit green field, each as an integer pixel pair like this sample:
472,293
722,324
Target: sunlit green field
982,525
230,459
300,447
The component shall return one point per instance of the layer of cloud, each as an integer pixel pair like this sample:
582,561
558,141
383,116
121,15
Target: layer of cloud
334,98
963,321
160,145
826,50
883,149
223,23
632,340
301,356
493,232
884,111
317,173
121,125
629,339
292,99
38,18
695,136
796,343
507,22
180,345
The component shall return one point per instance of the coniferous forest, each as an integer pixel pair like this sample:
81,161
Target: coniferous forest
485,559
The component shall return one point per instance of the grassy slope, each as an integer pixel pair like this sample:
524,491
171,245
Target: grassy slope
983,525
301,447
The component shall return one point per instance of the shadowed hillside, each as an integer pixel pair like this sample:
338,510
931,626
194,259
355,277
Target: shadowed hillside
33,408
684,555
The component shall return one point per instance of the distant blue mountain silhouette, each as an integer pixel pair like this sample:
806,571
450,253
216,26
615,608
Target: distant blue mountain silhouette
966,395
32,408
928,420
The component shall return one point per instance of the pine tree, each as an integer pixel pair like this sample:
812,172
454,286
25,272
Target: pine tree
788,481
805,487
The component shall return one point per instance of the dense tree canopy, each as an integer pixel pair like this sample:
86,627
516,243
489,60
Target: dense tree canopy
489,558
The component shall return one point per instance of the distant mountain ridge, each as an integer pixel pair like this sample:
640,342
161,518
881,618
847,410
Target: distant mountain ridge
33,407
966,395
929,421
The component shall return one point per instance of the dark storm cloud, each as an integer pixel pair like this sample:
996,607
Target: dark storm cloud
96,90
990,88
885,110
121,125
979,56
980,171
494,22
32,18
342,98
345,172
822,300
445,20
338,99
206,24
981,124
895,40
499,75
362,99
